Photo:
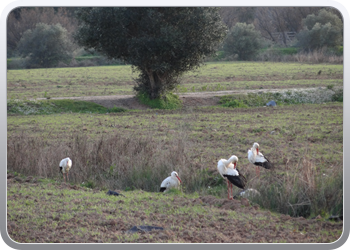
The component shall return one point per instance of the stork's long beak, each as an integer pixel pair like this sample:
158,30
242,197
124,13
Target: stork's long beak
257,150
178,178
234,164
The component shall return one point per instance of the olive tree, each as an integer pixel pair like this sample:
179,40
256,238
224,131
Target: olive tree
161,43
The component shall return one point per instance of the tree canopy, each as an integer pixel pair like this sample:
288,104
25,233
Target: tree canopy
162,43
322,30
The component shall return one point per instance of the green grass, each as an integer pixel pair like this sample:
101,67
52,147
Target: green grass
113,80
45,107
169,101
56,213
194,139
281,51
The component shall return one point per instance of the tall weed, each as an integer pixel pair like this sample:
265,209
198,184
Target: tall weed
301,190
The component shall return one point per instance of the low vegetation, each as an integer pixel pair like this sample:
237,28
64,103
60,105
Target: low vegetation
319,96
137,150
133,151
113,80
45,211
168,101
45,107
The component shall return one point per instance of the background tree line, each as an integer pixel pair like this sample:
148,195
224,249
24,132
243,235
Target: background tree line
262,25
163,43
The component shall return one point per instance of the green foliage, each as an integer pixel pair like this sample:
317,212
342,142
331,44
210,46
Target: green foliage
168,101
45,46
41,107
234,104
338,95
161,43
242,40
280,51
322,30
115,110
173,192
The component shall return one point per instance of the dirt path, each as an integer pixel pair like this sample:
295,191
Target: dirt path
189,99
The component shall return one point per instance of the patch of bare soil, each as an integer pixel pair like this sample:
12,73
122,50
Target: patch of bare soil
189,99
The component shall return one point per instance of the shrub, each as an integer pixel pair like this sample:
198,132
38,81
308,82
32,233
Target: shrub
323,30
235,104
338,95
242,40
45,46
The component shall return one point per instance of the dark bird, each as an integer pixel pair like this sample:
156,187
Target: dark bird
110,192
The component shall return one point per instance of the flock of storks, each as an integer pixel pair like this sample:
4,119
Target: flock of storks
226,168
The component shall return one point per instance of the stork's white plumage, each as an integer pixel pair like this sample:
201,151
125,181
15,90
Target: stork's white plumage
173,181
258,159
65,166
228,171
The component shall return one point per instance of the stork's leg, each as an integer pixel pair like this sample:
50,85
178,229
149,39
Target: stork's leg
228,189
257,171
231,191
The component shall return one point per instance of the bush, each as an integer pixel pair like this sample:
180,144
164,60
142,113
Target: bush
323,30
242,40
45,46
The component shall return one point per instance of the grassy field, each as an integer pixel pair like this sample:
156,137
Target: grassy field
113,80
40,211
181,140
134,151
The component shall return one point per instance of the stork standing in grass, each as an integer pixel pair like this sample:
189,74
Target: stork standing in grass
258,159
228,171
173,181
65,166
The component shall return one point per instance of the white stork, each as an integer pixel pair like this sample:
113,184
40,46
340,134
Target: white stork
228,170
258,159
65,166
173,181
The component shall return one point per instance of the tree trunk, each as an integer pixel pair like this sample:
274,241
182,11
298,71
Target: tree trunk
153,95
